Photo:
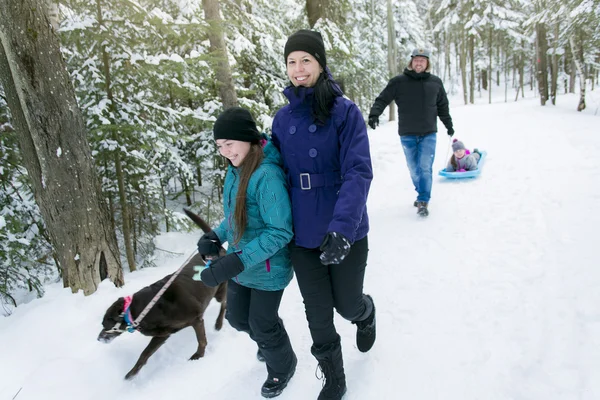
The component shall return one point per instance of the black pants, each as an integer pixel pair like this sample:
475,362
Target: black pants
256,312
324,287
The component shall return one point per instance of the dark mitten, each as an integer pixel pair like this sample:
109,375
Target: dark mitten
335,248
451,132
222,269
209,245
373,121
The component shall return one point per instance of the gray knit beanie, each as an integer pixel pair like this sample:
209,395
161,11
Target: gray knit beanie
457,145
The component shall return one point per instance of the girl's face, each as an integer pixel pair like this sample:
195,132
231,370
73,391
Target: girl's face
459,153
234,150
303,69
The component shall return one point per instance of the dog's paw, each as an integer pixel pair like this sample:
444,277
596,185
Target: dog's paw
131,374
196,355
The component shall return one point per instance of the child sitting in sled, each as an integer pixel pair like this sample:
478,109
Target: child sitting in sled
462,160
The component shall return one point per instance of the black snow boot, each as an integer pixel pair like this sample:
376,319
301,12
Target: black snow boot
422,209
331,366
259,356
274,386
365,330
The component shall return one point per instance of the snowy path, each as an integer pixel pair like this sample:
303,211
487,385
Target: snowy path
494,296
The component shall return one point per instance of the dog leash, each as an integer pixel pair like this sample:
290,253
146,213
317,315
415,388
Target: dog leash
131,326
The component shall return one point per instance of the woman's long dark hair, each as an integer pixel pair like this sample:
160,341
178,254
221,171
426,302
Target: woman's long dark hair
250,163
326,89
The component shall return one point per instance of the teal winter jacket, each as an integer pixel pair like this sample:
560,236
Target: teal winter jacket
263,247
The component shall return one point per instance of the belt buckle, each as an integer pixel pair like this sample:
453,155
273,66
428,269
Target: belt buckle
307,175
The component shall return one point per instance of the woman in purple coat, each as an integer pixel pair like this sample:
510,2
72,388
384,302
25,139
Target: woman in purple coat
323,140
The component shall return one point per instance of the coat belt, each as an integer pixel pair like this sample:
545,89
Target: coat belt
306,181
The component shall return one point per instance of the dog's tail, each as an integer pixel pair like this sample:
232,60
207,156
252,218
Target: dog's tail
198,220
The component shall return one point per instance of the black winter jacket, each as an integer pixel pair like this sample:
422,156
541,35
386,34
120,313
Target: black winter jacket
420,98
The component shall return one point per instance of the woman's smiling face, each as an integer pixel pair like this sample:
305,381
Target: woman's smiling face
303,69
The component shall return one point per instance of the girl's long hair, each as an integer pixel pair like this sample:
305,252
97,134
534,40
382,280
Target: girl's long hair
250,163
453,162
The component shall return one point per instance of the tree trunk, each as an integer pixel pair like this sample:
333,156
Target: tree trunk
472,58
506,77
392,53
554,69
111,207
572,76
520,70
498,56
55,149
575,50
314,11
53,13
218,50
463,65
448,66
484,79
542,62
491,54
163,192
187,188
127,229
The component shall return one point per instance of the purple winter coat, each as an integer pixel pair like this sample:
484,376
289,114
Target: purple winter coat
328,168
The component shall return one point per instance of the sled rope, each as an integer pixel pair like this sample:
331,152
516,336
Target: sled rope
447,151
149,306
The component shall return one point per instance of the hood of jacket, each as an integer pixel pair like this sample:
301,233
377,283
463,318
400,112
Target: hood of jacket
271,154
419,76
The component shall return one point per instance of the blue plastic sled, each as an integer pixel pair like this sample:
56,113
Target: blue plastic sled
466,174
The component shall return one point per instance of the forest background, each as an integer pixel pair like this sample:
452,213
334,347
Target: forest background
106,106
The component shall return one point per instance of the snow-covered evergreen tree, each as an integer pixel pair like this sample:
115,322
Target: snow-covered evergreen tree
25,253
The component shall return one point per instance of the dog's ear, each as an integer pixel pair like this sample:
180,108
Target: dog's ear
115,309
113,314
119,304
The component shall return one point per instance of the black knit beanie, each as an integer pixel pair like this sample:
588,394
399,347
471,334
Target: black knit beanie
308,41
236,123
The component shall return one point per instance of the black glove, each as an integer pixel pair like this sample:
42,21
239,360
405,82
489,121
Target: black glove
373,121
335,248
209,245
451,132
222,269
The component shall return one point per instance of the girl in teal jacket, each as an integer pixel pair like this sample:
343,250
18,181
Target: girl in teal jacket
257,226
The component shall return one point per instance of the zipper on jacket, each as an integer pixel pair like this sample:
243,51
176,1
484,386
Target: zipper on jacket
229,201
237,252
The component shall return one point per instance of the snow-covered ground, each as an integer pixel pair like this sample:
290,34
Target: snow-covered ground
494,296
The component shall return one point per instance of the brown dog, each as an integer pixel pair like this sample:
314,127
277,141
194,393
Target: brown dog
180,306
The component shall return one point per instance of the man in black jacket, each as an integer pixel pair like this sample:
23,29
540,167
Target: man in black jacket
421,98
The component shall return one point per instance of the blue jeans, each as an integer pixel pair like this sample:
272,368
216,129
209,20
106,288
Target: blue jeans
420,152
